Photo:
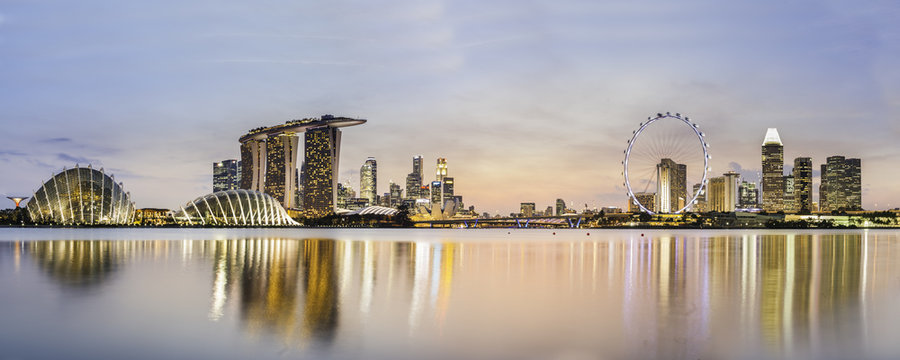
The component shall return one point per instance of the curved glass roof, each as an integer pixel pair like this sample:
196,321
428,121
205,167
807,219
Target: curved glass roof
81,196
233,207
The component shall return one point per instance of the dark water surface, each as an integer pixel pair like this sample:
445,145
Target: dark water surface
448,294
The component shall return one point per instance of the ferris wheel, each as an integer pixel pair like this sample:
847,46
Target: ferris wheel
666,164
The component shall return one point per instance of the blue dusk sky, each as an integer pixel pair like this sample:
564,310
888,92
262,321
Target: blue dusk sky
528,100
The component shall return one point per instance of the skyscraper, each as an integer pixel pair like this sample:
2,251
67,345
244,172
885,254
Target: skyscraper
414,180
700,204
671,186
788,202
841,187
321,159
441,170
803,184
396,195
447,185
269,161
749,195
436,193
368,180
281,168
722,194
773,172
226,175
560,207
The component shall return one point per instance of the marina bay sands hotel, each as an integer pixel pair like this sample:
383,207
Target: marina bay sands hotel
269,162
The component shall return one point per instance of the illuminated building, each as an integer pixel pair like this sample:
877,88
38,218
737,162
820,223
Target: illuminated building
447,186
803,184
436,193
368,180
788,202
441,170
722,194
321,162
527,209
81,196
561,207
345,193
414,180
233,207
226,175
150,216
269,160
700,204
671,186
841,184
395,195
281,168
645,198
772,172
748,195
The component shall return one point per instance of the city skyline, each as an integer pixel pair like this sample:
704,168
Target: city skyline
550,124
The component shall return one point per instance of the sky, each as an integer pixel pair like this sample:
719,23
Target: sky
529,101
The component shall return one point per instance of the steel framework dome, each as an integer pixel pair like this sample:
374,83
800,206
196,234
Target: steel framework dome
82,196
234,207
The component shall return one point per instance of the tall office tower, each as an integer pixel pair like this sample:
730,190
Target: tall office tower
671,186
549,211
447,185
788,203
749,195
803,185
527,209
560,207
396,195
841,185
441,169
281,168
773,172
253,164
226,175
414,180
700,204
436,193
269,161
722,193
368,180
321,157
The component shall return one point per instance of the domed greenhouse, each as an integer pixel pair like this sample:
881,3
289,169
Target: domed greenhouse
81,196
234,207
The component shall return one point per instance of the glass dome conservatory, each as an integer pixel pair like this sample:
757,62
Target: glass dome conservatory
234,207
81,196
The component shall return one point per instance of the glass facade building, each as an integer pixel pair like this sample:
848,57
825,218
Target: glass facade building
226,175
772,172
803,185
841,187
368,180
81,196
671,186
322,156
233,208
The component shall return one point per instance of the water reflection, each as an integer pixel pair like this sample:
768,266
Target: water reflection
666,296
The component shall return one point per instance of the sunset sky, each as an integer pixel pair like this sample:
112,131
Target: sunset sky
528,100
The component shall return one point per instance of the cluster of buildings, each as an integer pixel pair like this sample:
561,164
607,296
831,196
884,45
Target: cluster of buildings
840,187
269,164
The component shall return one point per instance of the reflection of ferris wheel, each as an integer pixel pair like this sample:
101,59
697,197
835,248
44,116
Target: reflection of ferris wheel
666,164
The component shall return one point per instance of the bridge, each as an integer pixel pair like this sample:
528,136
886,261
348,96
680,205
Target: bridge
561,221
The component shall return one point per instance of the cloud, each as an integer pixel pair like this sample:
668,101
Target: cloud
11,153
57,140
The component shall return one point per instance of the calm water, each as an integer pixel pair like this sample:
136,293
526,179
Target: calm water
448,294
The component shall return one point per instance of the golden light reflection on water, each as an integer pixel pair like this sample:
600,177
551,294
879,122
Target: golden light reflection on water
666,296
